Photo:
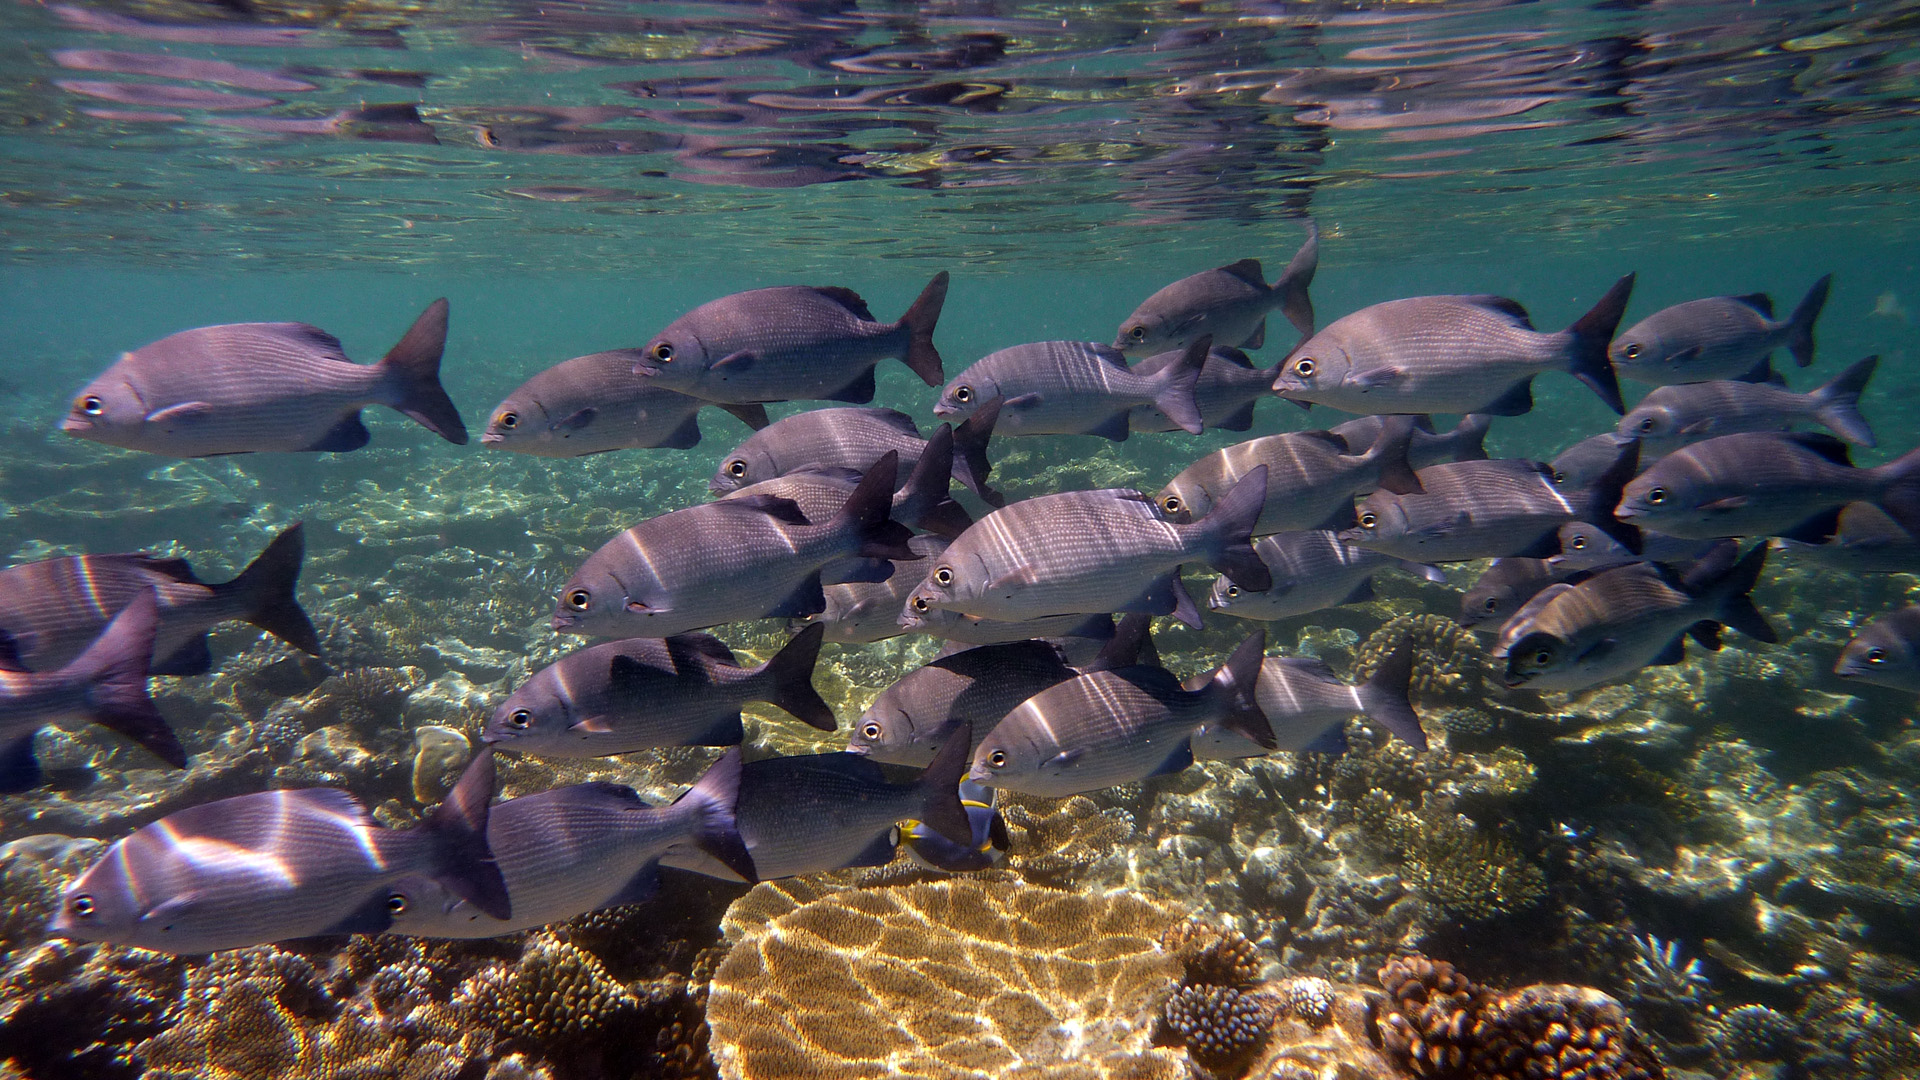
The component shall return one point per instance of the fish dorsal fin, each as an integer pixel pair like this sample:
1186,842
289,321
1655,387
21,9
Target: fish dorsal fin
1114,357
1333,439
1247,270
1758,301
986,660
895,419
303,336
699,646
846,298
1821,443
171,568
773,506
1504,305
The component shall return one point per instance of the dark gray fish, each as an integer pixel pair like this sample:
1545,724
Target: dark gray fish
808,814
580,848
1308,707
595,403
742,558
106,685
1884,652
1450,354
1074,388
246,387
924,502
910,720
276,865
1790,484
1226,392
1670,417
862,612
854,438
1089,553
1503,588
1585,546
1312,477
1486,509
50,610
987,846
1720,337
648,692
1589,459
1466,441
792,343
1865,541
1118,723
1311,571
1622,619
1229,304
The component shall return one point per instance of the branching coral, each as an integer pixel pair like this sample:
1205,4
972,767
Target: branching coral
1448,662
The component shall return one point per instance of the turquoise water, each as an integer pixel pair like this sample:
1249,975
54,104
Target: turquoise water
572,177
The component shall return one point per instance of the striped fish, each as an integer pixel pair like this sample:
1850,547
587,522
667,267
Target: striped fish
647,692
1311,571
1790,484
1450,354
1670,417
106,685
1503,587
1308,707
246,387
50,610
743,558
792,343
276,865
580,848
911,720
1228,389
1312,477
924,502
1486,509
1230,304
1719,337
1865,541
817,812
854,438
1074,388
593,404
1091,552
1883,652
1465,441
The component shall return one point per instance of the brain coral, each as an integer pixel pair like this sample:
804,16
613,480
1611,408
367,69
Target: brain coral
953,979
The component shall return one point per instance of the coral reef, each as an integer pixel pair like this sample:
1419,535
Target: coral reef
1448,661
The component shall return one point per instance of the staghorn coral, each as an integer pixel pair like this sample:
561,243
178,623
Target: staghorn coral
942,979
1221,1027
1448,663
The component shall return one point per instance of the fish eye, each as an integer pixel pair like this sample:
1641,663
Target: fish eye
519,718
396,904
1579,543
963,394
509,420
1876,656
870,730
578,599
1491,604
1368,521
1171,504
997,759
943,576
663,352
1304,367
1542,658
81,906
1657,496
920,603
736,468
1647,425
1559,476
1138,333
1633,351
92,405
1233,590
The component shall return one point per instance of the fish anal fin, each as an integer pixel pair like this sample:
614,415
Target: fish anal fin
191,658
348,434
1181,757
19,769
807,598
371,917
1114,427
858,391
1257,339
1515,401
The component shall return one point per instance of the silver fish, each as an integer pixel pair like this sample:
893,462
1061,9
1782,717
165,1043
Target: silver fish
647,692
808,814
1465,441
1074,388
1883,652
593,404
1090,552
910,720
1228,389
106,685
1865,541
862,612
1483,509
1312,477
1620,620
276,865
246,387
1229,304
743,558
854,438
50,610
1308,706
1789,484
1118,724
580,848
1670,417
1720,337
1503,588
1584,462
792,343
1311,571
925,501
1585,546
1450,354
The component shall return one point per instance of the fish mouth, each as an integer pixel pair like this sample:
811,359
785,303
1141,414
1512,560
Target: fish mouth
944,410
1514,680
491,438
564,623
979,774
75,424
720,487
858,748
1624,511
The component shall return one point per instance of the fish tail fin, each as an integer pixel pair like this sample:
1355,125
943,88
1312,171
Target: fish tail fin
1901,498
919,321
267,587
713,800
1471,437
1384,696
1603,496
868,511
930,481
1230,528
457,834
970,452
1294,280
114,671
790,673
1238,678
1591,335
940,807
1736,609
412,369
1389,455
1839,402
1174,386
1800,324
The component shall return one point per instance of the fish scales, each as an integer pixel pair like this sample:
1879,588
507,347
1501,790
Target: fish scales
1311,570
1056,387
848,438
1764,483
1309,477
1472,510
592,404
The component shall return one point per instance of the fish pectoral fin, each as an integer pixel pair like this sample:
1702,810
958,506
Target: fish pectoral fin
577,421
1598,649
1028,400
1445,527
183,411
14,648
1674,652
1699,429
1064,758
1730,503
639,606
170,909
1373,378
348,434
592,725
1024,577
371,917
1181,757
734,362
